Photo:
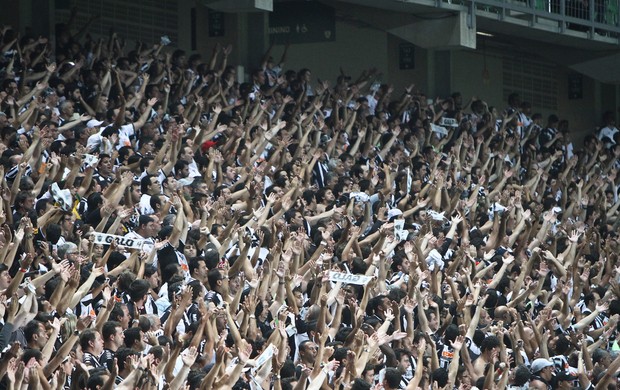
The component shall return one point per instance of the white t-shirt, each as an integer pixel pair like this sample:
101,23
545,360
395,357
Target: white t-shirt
145,205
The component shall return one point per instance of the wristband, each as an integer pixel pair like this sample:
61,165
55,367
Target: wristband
23,270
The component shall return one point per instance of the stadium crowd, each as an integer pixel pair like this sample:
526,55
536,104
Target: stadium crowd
165,227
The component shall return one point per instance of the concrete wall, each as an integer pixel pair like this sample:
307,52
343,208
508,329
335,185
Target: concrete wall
583,114
402,78
355,49
467,76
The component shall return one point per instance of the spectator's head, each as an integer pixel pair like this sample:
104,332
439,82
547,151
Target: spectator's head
181,169
218,281
542,368
378,305
30,353
35,334
151,274
5,277
113,336
149,185
120,313
601,357
451,333
360,384
68,250
489,345
24,201
138,290
553,120
134,338
156,203
308,350
91,341
123,356
404,358
146,226
392,378
368,374
440,376
522,376
198,268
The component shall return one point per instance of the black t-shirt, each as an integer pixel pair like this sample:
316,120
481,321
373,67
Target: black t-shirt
168,255
91,360
107,358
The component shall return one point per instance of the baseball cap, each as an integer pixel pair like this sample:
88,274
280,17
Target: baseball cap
393,213
539,364
93,123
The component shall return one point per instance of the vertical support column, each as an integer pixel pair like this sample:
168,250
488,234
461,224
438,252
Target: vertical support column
430,73
598,101
39,16
563,14
257,38
241,44
592,17
617,105
443,67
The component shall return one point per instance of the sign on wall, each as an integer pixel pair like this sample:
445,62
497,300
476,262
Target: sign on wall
575,86
216,24
406,56
302,22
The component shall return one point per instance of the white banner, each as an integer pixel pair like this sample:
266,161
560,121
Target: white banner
439,130
90,160
348,278
263,358
399,229
450,122
106,239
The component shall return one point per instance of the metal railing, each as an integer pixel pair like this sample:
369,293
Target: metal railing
596,17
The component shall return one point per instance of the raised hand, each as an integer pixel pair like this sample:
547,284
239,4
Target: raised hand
458,343
602,306
189,356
